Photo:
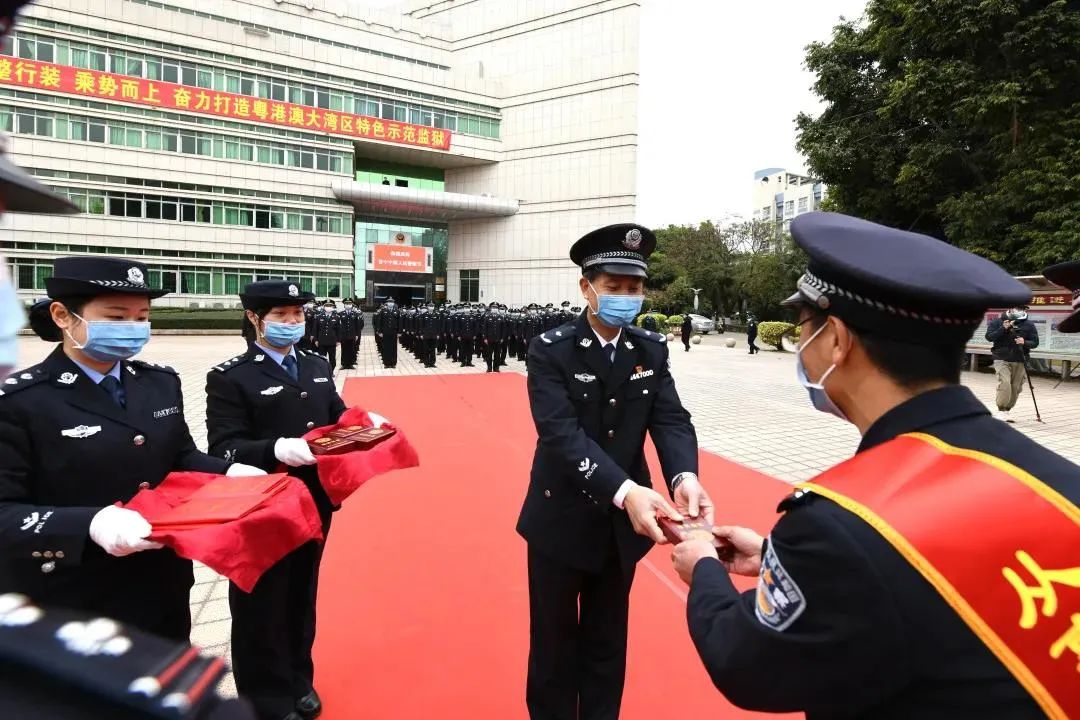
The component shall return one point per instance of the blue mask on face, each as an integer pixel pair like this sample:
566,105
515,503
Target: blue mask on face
112,341
818,396
617,310
283,335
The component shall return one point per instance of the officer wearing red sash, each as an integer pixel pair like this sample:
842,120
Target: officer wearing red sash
858,612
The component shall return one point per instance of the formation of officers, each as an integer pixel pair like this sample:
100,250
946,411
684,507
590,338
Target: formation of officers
465,331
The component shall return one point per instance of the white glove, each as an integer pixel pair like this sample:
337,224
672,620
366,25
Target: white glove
377,420
242,470
294,452
120,531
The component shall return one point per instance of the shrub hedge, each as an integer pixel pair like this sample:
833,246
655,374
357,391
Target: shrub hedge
772,332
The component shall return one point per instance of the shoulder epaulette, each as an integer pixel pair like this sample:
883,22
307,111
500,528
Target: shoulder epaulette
559,334
647,334
308,353
143,365
231,363
796,499
23,379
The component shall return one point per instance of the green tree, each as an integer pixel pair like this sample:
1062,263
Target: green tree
956,118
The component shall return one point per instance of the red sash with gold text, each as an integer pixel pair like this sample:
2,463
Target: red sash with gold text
1001,547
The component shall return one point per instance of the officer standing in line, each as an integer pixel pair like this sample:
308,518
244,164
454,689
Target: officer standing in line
489,331
350,319
328,333
429,331
854,615
82,431
504,338
466,330
596,387
310,328
389,324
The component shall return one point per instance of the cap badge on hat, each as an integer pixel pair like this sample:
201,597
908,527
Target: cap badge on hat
135,276
632,240
294,291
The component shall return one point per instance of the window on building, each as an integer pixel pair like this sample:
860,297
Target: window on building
766,212
803,202
789,209
469,286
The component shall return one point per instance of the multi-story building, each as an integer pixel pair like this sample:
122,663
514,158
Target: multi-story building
435,148
781,195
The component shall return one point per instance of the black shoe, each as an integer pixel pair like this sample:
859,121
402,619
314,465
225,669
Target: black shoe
309,706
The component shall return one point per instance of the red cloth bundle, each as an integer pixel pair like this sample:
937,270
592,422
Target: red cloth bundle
241,549
342,474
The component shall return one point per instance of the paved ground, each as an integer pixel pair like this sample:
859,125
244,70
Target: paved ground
749,409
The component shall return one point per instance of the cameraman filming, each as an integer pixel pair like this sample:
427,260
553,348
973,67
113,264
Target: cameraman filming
1014,337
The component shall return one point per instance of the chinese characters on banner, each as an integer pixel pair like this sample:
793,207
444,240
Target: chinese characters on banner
1056,299
1041,599
400,258
170,96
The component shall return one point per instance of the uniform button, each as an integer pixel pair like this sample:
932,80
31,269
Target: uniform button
585,395
144,485
59,554
48,554
48,567
138,440
35,554
644,392
611,433
547,493
303,396
310,425
611,402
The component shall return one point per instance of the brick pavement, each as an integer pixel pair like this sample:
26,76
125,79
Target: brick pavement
748,409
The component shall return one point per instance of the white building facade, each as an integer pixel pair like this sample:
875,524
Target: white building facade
779,196
437,150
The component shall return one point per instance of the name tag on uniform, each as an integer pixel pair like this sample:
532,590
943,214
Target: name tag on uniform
166,412
322,379
82,431
640,374
585,377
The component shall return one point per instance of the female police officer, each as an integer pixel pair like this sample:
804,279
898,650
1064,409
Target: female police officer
83,430
258,405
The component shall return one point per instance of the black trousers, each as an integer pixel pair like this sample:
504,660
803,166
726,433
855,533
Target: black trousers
348,353
488,352
273,631
330,351
390,346
750,338
577,659
430,345
500,354
465,351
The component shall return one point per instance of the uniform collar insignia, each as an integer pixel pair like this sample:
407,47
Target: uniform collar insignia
585,342
260,358
130,369
67,378
629,345
26,376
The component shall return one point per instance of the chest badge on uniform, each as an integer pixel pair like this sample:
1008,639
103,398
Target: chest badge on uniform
166,412
321,380
67,378
585,377
585,342
640,373
82,431
779,601
272,390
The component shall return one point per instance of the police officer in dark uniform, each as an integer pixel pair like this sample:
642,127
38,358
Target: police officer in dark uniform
649,323
90,413
310,327
596,386
258,406
842,624
386,332
430,322
350,324
466,335
328,333
491,332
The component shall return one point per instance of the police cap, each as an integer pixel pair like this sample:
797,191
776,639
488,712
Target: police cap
897,284
266,294
622,249
1067,275
91,276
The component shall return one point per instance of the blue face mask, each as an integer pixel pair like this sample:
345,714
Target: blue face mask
112,341
617,310
283,335
818,396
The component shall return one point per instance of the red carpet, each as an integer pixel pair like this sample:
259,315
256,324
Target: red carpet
423,606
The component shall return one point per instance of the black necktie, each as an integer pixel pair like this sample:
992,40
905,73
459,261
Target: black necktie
611,354
289,363
112,386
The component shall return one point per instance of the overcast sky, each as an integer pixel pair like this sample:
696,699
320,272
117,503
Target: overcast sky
721,84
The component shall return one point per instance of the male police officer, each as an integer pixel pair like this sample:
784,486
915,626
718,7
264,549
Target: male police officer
596,386
911,581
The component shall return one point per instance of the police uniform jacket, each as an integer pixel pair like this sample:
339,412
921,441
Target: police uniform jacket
251,402
348,325
327,329
591,417
66,451
864,635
